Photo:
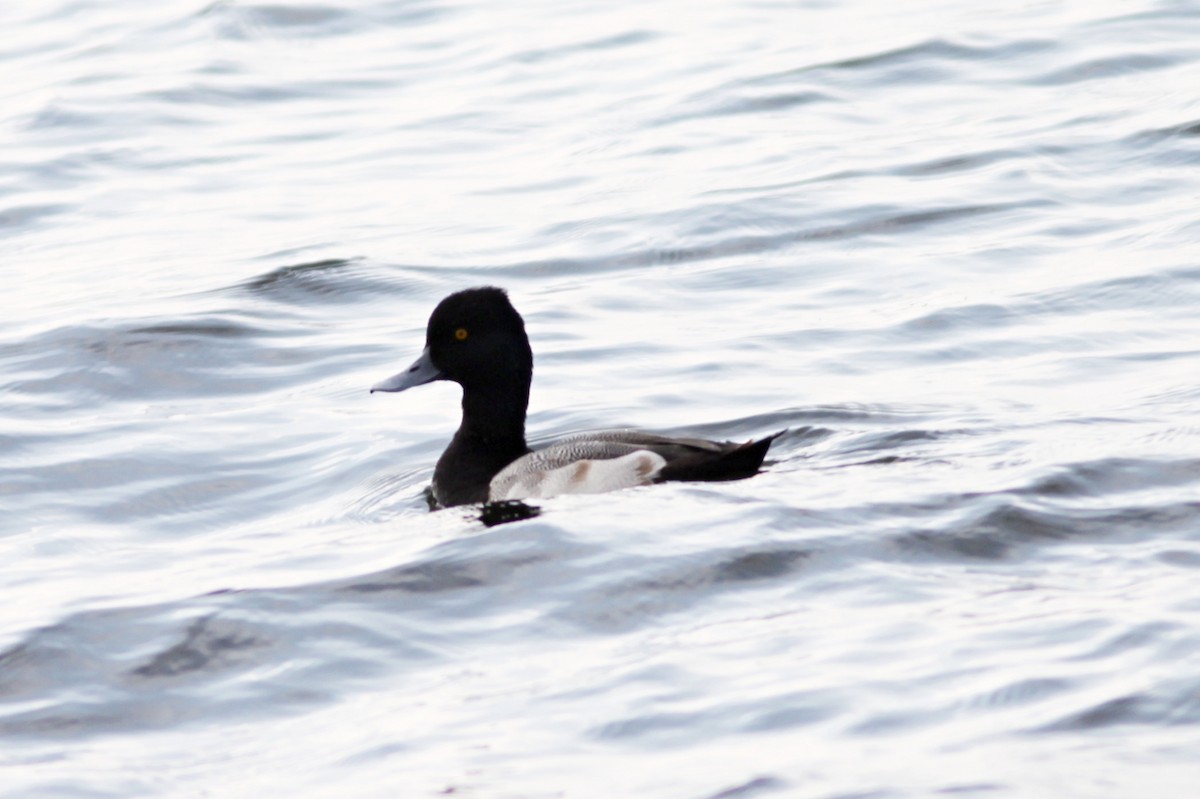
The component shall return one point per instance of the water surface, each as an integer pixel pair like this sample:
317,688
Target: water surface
951,248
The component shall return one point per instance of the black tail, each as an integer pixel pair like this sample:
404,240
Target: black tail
734,463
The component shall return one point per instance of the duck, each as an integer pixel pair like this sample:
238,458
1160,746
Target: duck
476,338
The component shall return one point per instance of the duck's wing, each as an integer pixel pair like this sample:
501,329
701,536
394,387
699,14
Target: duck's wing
592,463
667,446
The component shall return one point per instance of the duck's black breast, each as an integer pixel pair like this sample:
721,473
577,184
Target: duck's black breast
465,470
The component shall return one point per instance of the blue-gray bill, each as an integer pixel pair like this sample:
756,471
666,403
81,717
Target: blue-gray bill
421,372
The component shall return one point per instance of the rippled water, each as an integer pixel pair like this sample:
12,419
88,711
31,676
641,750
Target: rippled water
952,247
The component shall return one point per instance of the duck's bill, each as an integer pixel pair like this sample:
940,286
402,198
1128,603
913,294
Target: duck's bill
421,372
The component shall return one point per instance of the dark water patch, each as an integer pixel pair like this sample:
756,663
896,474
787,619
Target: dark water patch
1161,288
331,280
472,572
208,640
249,22
109,647
811,423
1182,130
1023,692
706,105
670,585
900,722
661,729
970,317
889,460
226,95
921,219
344,279
882,223
1006,525
890,439
1113,476
1176,703
553,185
1170,149
935,60
213,657
668,728
72,480
25,668
188,500
134,712
794,437
1183,558
936,49
21,216
943,351
428,578
1086,362
97,162
12,444
761,565
93,148
616,41
159,487
932,61
203,356
572,49
1140,636
972,789
764,563
57,115
1130,709
791,711
201,328
383,497
1107,67
952,164
960,331
1166,17
759,786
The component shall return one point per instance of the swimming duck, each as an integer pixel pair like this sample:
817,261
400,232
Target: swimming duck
477,339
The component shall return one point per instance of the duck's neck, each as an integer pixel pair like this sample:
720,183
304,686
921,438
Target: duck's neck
491,436
496,417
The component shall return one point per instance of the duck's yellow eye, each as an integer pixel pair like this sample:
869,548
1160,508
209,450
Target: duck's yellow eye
461,334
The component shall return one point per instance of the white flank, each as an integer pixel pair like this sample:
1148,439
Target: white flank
581,477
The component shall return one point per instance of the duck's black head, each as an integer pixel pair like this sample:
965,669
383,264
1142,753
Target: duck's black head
477,339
